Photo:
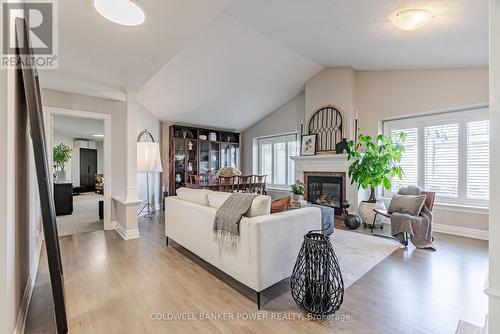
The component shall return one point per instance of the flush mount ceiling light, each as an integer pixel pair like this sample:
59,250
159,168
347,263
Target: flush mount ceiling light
98,135
411,19
124,12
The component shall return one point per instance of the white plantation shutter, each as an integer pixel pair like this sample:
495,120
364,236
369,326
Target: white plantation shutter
447,153
274,159
409,161
441,160
478,160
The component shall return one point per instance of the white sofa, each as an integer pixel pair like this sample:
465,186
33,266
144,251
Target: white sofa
268,243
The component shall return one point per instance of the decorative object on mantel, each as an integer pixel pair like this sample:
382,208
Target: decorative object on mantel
60,155
342,147
326,123
374,161
298,189
316,284
352,221
308,146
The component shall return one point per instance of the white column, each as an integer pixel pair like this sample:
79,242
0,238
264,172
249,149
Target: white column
493,287
126,208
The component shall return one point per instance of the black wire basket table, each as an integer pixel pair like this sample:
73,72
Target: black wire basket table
316,283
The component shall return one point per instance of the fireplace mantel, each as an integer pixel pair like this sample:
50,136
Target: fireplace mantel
330,163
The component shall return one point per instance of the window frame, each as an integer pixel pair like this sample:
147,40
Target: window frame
460,117
286,138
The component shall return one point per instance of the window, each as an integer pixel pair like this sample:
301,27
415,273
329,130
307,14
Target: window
446,153
274,159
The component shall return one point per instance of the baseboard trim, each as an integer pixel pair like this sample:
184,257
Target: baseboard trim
461,231
28,290
124,233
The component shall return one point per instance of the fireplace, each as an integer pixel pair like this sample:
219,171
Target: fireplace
325,188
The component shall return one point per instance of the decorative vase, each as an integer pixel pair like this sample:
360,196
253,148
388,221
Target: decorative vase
190,167
352,221
60,176
367,214
297,197
342,147
316,284
190,146
178,178
212,136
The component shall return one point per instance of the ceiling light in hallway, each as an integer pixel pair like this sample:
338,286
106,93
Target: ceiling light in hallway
411,19
125,12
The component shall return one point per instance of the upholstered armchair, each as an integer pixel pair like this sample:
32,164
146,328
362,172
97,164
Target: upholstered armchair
99,184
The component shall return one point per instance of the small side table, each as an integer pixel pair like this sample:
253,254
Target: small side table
368,215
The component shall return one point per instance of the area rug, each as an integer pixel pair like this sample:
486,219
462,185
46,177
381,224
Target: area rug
85,217
358,253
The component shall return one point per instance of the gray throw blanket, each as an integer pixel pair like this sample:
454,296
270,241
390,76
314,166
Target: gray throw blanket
327,218
228,216
418,227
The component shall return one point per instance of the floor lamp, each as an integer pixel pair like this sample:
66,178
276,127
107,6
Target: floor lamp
148,161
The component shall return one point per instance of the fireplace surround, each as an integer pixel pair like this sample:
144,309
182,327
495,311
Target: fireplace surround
325,188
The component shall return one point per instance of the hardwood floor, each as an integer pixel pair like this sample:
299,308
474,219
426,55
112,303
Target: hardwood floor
114,286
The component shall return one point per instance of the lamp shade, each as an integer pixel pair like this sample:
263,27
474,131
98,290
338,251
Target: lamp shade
148,157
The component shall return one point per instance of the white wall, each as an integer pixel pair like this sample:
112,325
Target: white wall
493,288
146,120
19,204
285,119
382,95
332,86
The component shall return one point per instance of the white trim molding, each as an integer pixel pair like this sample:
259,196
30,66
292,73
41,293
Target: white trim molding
461,231
28,290
124,233
490,292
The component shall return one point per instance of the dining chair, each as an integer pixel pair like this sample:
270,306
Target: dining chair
259,184
227,183
245,183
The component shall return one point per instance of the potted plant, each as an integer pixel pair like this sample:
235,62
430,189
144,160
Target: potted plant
61,155
298,190
374,161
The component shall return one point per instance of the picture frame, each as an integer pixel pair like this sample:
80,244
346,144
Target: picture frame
308,145
29,90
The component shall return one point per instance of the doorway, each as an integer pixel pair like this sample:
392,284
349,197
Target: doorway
82,187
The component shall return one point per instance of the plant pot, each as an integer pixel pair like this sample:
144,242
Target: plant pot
60,176
298,197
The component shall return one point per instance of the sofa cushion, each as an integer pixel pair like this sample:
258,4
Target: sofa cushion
408,204
198,196
261,206
216,198
280,205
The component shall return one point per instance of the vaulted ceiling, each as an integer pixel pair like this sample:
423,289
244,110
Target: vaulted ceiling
228,63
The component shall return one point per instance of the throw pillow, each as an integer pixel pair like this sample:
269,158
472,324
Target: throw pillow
407,204
280,205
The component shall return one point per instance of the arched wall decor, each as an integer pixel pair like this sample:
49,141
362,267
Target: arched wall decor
326,123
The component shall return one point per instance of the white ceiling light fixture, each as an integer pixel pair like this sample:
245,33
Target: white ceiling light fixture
125,12
98,135
411,19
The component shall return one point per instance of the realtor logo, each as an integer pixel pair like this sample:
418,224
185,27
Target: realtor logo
41,19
